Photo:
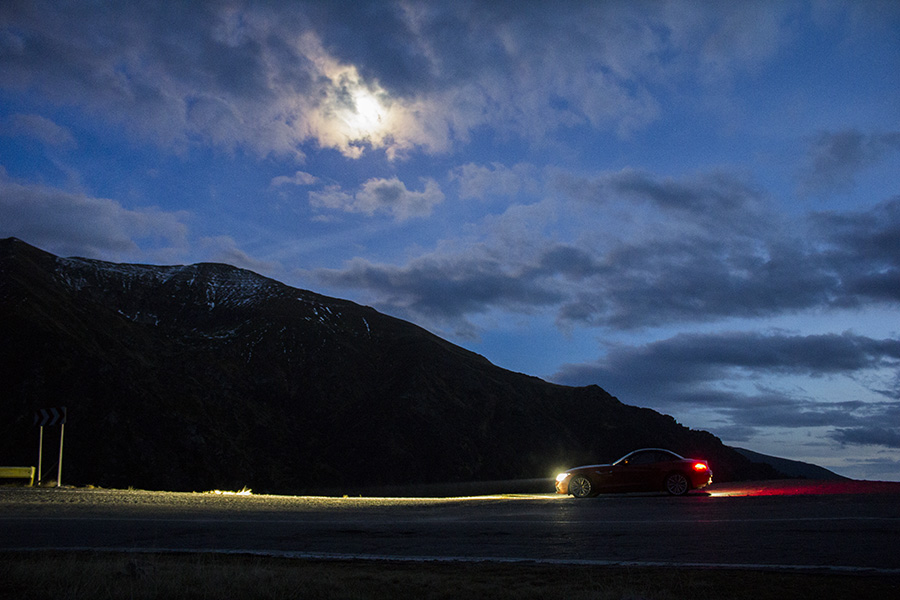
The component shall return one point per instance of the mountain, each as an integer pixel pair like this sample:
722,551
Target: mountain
209,376
791,468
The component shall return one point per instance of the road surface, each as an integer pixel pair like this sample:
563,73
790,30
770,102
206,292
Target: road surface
834,531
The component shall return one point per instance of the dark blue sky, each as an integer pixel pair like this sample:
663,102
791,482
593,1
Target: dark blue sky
695,205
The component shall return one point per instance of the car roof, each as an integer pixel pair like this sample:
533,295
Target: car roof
652,450
626,456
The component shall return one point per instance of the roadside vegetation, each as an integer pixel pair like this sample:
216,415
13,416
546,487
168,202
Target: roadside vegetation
88,576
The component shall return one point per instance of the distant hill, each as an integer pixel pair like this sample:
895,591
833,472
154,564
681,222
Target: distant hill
209,376
791,468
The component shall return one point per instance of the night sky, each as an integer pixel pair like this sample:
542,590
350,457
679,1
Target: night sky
694,205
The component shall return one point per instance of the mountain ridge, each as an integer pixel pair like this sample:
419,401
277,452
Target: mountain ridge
209,376
792,468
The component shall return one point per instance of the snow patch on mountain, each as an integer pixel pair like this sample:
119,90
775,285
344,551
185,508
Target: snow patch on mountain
153,295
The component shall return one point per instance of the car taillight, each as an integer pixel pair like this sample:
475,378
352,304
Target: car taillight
700,466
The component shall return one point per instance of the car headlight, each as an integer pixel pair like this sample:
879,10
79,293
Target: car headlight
561,476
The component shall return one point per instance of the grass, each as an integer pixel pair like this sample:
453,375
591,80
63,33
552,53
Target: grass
82,575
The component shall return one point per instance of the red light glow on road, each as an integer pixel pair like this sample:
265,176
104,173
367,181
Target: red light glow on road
800,487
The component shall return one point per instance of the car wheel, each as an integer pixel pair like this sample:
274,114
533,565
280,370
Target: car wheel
580,486
677,484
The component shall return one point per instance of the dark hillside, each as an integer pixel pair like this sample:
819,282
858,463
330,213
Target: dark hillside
208,376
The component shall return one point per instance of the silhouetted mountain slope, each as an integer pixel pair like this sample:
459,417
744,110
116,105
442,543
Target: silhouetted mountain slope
792,468
204,376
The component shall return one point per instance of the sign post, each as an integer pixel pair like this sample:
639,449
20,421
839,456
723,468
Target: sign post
51,416
62,429
40,454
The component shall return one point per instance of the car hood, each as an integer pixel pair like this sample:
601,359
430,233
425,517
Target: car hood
573,469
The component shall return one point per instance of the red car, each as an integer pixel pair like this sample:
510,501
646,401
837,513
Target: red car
646,470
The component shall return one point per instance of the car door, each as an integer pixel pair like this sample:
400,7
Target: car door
647,475
634,473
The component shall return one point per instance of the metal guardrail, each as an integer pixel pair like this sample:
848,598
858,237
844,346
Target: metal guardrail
18,473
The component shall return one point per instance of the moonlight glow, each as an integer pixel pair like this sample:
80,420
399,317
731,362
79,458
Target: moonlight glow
367,118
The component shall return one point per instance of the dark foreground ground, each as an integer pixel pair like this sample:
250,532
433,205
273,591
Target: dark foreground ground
30,569
82,575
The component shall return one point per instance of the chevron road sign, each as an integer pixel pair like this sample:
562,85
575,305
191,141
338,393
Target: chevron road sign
50,416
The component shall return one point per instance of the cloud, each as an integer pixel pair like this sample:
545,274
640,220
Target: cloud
496,180
209,72
863,248
836,158
41,129
693,358
358,76
225,250
443,289
694,248
729,267
735,376
668,251
706,201
73,223
298,178
381,196
711,249
741,38
697,279
868,436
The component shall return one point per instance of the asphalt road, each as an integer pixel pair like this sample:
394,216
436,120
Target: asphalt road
834,531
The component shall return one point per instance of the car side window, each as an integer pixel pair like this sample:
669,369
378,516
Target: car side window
649,458
643,458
